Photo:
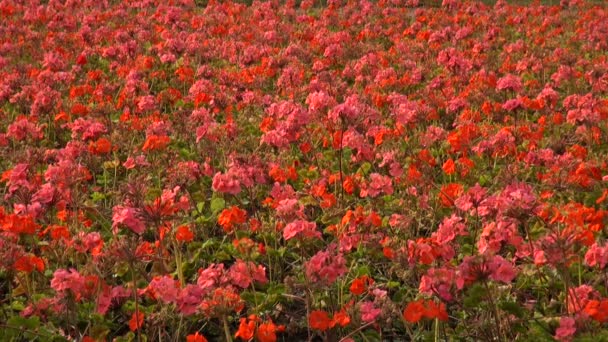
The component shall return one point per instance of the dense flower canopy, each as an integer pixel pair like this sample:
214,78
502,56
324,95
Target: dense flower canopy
341,170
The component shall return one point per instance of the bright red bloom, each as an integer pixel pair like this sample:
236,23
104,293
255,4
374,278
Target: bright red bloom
319,320
136,321
196,337
360,285
184,234
156,143
101,146
598,310
230,217
449,167
449,193
28,263
416,310
267,332
246,330
340,318
19,224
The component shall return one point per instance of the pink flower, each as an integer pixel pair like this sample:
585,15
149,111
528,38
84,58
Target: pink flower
512,104
566,329
319,100
438,281
302,228
597,255
378,184
129,217
211,277
502,270
325,267
449,229
242,274
164,288
369,312
189,299
104,300
289,207
509,82
226,184
64,280
22,129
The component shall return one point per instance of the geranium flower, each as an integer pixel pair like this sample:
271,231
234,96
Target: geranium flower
319,320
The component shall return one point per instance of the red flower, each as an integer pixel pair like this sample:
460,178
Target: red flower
196,337
18,224
413,311
246,330
449,193
228,218
267,332
598,310
28,263
319,320
449,167
416,310
101,146
359,285
340,318
184,234
156,143
136,320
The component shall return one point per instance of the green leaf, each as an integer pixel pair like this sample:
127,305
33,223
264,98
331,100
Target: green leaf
474,296
200,206
30,323
364,169
17,306
512,308
217,204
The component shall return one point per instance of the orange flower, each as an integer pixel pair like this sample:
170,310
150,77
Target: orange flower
413,311
230,217
319,320
449,193
267,332
28,263
18,224
449,167
183,234
59,232
156,143
101,146
196,337
340,318
136,320
328,201
425,308
435,310
246,330
597,310
359,285
349,185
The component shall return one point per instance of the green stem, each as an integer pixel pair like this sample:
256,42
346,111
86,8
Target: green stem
227,330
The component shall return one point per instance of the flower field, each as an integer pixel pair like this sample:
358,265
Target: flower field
297,171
